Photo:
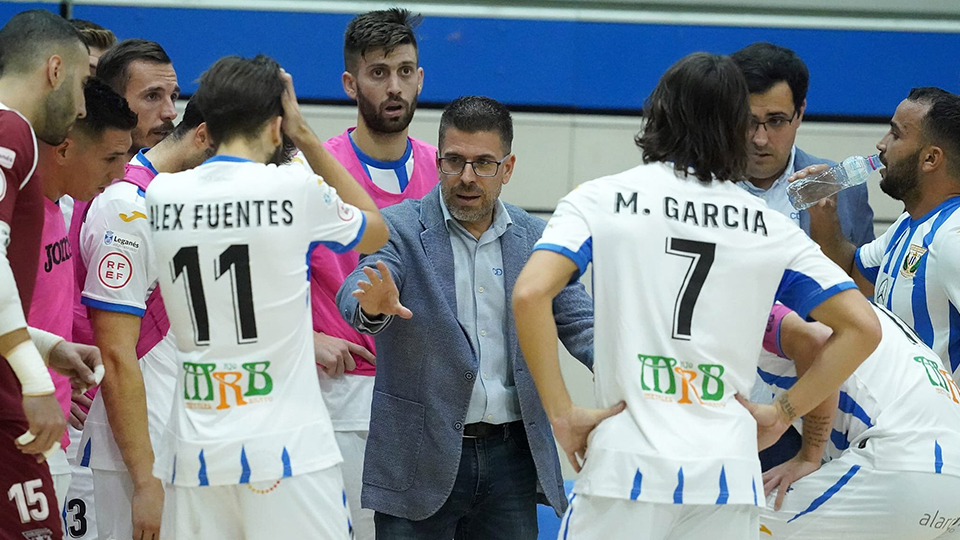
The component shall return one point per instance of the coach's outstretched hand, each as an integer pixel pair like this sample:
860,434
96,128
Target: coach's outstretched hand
573,428
81,363
380,296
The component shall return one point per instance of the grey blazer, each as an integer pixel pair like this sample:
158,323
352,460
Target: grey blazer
426,366
856,216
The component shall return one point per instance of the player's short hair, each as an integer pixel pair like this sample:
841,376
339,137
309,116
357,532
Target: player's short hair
384,29
94,35
106,109
239,95
765,64
941,124
114,65
697,118
192,117
478,113
29,38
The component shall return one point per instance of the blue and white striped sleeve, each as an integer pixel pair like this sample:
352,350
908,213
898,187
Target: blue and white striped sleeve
568,232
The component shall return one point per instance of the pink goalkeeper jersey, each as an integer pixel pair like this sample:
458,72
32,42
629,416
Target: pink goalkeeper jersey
52,295
328,269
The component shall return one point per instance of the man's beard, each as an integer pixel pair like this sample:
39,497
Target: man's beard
468,215
59,115
373,117
901,178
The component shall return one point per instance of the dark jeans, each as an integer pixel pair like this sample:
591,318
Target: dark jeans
494,496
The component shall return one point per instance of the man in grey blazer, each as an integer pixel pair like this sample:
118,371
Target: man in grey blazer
459,441
778,80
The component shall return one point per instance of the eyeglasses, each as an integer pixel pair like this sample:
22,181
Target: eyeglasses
775,123
455,165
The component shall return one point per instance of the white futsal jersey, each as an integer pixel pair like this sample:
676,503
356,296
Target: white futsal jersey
915,269
233,239
684,274
900,406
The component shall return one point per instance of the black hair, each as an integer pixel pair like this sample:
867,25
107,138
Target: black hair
192,117
94,35
30,37
697,118
478,113
114,65
941,124
239,95
384,29
765,64
106,109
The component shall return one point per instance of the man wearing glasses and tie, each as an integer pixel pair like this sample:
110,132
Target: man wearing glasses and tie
459,440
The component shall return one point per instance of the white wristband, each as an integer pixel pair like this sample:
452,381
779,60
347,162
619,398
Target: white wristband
28,366
44,341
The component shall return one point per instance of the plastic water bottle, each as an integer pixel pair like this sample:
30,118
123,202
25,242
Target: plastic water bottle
850,172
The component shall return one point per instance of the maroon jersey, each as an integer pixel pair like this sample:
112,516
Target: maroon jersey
28,503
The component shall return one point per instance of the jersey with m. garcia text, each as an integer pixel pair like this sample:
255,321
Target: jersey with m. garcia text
233,241
684,275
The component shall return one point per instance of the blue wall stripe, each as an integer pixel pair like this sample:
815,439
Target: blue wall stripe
637,486
818,502
549,63
678,493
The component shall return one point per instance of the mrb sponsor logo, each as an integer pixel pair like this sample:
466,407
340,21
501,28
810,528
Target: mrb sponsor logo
665,379
208,386
939,378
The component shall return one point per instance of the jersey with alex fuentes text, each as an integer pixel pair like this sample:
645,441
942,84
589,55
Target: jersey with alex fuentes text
233,241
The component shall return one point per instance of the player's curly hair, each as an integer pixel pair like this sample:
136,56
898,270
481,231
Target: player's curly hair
384,29
697,119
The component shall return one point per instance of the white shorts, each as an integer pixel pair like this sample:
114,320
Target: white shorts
309,505
353,446
112,493
602,518
79,514
847,499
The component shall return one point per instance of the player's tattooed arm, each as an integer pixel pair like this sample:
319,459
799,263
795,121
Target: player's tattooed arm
785,408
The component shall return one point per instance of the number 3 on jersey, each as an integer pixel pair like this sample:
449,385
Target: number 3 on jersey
235,260
701,255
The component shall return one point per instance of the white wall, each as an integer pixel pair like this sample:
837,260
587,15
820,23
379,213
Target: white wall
557,152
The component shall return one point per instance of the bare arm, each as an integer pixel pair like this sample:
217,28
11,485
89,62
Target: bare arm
542,279
125,400
323,163
856,334
802,342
